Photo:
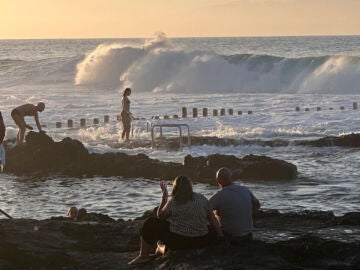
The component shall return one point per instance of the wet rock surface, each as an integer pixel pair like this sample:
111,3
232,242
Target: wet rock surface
42,156
306,240
349,140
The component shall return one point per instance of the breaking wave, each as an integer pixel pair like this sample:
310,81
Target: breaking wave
161,67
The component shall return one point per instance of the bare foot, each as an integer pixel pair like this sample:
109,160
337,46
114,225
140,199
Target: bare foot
161,248
140,260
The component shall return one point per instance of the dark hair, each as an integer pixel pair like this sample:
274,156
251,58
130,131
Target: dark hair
82,213
182,191
126,91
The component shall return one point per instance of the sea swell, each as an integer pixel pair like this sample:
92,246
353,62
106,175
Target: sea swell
162,67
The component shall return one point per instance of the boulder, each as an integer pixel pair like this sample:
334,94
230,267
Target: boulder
40,155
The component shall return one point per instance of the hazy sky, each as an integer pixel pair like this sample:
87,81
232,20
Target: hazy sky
176,18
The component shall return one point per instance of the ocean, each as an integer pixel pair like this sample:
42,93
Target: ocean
269,76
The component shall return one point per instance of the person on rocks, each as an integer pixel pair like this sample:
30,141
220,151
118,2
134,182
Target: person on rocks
2,149
126,116
73,213
186,220
234,207
81,214
18,115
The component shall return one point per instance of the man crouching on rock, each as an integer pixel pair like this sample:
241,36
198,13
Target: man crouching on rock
19,113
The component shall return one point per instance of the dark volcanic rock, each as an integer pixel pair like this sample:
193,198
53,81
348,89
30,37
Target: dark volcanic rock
250,167
306,240
42,156
350,140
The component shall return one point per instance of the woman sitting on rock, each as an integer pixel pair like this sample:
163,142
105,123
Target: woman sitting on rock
182,221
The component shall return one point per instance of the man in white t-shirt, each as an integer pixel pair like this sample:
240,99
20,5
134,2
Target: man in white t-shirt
234,206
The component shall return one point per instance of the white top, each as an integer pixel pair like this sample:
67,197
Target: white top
190,218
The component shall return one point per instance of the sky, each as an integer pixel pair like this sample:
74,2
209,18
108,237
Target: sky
23,19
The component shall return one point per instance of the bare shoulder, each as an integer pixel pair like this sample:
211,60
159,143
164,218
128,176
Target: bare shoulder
27,109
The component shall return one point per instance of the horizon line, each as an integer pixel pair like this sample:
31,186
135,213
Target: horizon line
182,37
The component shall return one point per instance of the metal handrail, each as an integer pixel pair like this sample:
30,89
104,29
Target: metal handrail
179,126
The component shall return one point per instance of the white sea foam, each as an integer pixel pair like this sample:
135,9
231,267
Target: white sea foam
161,67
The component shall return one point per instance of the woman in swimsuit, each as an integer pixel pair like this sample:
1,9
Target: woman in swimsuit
125,114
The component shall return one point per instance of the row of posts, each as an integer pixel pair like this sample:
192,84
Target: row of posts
205,112
70,123
355,106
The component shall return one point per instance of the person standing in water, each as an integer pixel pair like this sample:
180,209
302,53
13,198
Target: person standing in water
125,114
2,149
18,114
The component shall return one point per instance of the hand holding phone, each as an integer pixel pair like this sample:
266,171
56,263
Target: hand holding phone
164,189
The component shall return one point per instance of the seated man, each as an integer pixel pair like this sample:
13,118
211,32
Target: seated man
20,112
234,206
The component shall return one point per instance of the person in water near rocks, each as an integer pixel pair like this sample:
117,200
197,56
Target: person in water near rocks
234,207
182,221
18,115
2,149
81,214
73,212
126,116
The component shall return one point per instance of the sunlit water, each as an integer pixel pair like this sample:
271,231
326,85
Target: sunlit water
328,178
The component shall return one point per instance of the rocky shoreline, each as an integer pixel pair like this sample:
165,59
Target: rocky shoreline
42,156
306,240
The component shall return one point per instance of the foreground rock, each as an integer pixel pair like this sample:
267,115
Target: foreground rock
307,240
42,156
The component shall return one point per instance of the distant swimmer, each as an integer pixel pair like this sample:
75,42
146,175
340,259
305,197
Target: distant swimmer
126,116
19,113
2,149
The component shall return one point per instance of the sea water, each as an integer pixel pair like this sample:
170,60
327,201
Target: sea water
268,76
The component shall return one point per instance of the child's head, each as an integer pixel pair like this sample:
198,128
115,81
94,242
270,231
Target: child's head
73,212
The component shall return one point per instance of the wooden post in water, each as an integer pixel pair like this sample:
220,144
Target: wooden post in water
184,112
318,109
195,112
175,116
215,112
354,106
307,109
239,112
58,124
342,108
250,112
222,112
297,109
70,123
205,112
82,122
106,119
231,111
96,121
166,117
